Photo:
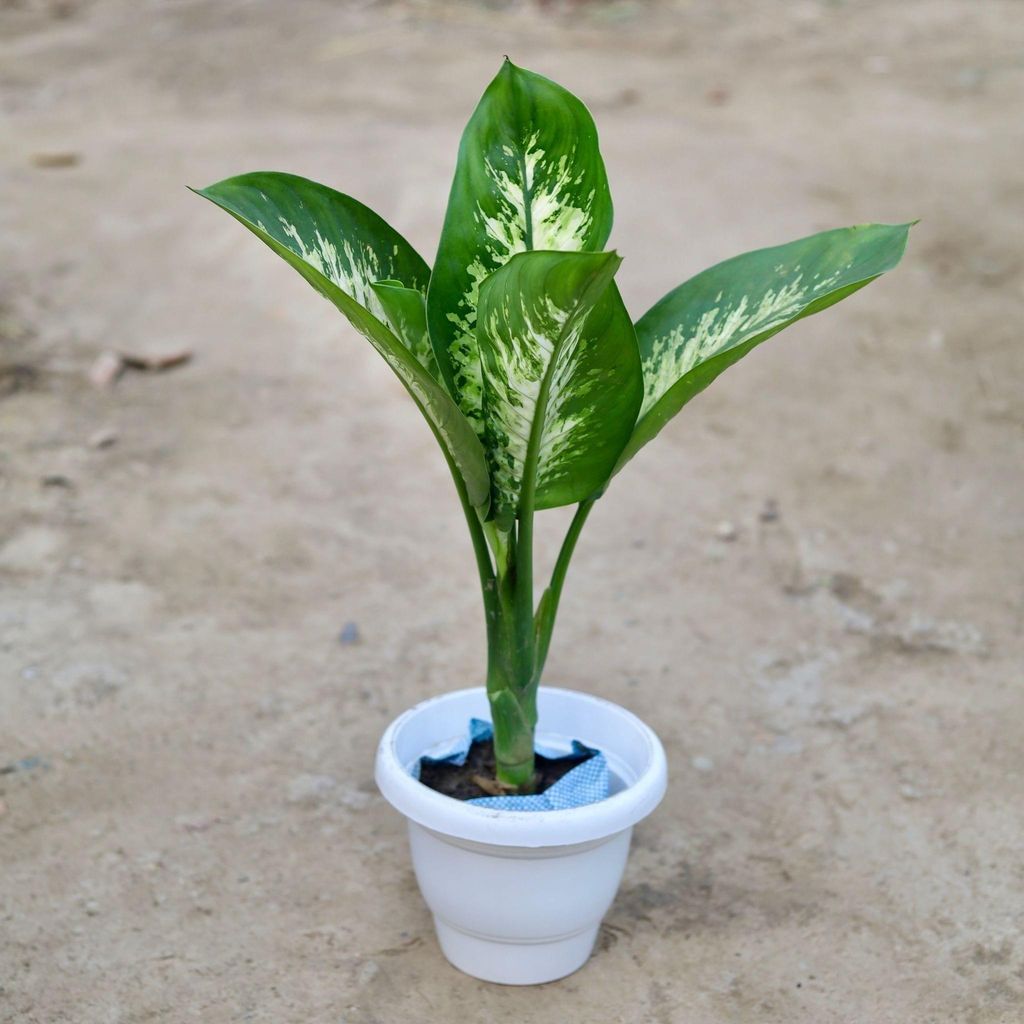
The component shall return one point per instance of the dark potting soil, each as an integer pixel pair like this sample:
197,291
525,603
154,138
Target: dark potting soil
468,781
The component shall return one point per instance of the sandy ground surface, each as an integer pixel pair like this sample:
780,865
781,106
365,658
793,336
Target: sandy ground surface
190,829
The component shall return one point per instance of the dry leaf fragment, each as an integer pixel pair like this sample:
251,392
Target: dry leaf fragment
492,786
156,361
110,365
53,161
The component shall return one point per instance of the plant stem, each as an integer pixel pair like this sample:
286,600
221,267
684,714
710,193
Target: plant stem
513,723
484,565
552,596
524,592
568,547
512,708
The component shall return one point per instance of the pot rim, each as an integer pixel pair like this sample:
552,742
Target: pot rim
461,820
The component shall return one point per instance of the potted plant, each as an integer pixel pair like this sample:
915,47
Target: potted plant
518,350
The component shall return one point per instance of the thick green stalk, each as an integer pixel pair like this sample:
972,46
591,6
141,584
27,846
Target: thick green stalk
517,639
514,664
513,716
513,707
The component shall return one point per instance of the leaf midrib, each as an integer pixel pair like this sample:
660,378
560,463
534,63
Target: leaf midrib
527,201
528,484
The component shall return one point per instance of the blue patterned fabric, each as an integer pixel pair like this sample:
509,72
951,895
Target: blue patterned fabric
587,783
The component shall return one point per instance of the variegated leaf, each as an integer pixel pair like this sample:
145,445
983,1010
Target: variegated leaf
711,321
333,233
529,176
561,374
341,248
406,312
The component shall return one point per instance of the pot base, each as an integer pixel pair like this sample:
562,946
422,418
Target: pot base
515,963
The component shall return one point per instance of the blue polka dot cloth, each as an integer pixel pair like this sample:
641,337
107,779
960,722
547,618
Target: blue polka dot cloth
587,783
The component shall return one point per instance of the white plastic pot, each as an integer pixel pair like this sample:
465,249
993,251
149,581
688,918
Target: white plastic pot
518,896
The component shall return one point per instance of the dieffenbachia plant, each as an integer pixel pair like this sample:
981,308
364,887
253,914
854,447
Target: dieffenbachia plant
517,347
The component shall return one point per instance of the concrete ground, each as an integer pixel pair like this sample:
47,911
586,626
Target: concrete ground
189,829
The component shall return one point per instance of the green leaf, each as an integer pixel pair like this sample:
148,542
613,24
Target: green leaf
333,233
562,378
529,176
341,248
406,312
713,320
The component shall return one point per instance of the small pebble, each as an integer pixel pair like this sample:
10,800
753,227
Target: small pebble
195,824
106,368
56,480
726,531
769,511
103,438
349,634
92,908
703,764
